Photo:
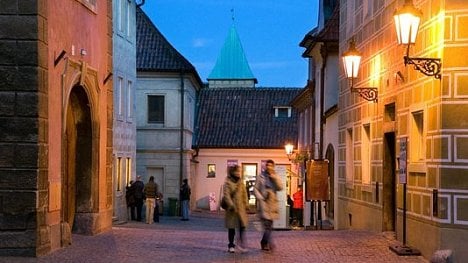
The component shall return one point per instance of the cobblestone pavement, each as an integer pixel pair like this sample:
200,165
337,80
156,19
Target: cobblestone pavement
204,239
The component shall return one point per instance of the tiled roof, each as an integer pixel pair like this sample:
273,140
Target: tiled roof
245,118
329,33
231,62
154,52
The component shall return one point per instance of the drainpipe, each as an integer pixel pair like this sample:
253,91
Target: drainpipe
323,52
182,115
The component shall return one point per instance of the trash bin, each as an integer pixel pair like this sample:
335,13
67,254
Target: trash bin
172,206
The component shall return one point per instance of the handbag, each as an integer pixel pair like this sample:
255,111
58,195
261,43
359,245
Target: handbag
224,204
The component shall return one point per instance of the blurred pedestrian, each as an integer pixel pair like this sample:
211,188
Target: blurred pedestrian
235,198
130,198
298,205
138,187
266,186
185,198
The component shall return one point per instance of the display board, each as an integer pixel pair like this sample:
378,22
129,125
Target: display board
317,180
282,221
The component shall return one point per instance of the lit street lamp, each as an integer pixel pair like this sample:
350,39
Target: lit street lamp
351,61
407,20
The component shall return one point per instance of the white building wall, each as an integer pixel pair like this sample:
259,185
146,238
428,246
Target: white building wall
124,124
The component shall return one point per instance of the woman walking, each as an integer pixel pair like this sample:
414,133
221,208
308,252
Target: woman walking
235,198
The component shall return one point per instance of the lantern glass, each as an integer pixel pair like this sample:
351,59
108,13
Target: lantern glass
289,148
407,21
351,60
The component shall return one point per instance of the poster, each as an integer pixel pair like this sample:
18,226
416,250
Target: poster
317,180
282,221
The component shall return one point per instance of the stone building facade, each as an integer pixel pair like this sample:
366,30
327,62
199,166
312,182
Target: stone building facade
56,123
124,124
430,113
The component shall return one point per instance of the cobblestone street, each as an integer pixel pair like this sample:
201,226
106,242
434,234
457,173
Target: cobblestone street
204,239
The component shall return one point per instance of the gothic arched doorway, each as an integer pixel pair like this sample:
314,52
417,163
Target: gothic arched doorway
78,160
330,156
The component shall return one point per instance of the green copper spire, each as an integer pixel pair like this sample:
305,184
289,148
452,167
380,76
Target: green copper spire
232,63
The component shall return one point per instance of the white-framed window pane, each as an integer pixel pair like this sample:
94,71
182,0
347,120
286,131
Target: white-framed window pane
156,109
118,179
128,171
120,97
129,100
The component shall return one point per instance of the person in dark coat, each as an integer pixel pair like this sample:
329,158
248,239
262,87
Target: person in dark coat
185,193
235,196
138,187
130,198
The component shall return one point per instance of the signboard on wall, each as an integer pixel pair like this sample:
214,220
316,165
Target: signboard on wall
317,180
402,161
283,220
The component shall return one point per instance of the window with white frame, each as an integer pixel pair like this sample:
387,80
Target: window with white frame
120,97
156,109
349,156
283,112
129,101
128,21
365,154
417,139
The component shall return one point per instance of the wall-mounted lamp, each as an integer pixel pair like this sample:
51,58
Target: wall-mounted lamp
296,156
407,20
351,61
289,148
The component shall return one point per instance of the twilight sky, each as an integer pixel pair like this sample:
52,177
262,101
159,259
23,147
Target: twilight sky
270,32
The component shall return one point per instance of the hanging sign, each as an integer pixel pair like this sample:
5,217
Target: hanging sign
317,180
402,161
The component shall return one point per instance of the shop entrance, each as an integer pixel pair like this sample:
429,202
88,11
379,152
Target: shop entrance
389,183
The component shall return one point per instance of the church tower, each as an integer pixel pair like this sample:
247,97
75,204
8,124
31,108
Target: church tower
232,69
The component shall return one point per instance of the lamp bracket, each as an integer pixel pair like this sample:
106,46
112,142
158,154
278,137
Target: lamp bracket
367,93
428,66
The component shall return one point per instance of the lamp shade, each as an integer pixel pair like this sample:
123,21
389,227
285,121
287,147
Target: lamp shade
289,148
407,20
351,60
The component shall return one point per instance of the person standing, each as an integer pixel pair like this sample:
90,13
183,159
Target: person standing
268,183
138,187
235,197
298,204
151,189
130,198
185,199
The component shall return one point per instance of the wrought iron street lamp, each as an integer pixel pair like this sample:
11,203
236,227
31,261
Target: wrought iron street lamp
407,20
289,148
351,61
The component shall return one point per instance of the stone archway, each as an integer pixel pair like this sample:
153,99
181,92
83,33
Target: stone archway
77,193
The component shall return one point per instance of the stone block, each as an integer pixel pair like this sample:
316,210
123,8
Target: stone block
27,104
8,52
17,221
18,78
18,179
15,240
27,53
26,155
9,7
28,7
18,129
7,155
7,103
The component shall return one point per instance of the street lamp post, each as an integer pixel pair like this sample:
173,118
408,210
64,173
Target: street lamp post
351,61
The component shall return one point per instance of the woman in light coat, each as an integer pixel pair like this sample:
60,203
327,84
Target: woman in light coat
266,186
235,198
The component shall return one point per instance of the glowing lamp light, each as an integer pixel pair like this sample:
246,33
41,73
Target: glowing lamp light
351,60
407,21
289,148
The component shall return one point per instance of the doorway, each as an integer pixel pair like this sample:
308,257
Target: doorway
389,183
77,177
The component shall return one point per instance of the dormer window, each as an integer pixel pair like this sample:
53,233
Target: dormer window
282,112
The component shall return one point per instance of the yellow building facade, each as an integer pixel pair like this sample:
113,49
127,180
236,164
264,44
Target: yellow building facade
431,114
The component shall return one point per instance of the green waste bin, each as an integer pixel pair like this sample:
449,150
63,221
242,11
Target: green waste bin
172,206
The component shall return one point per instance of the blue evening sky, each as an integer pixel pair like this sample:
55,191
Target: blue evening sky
270,32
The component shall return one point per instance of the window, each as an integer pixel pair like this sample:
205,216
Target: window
128,171
417,142
120,98
283,112
365,154
119,174
128,15
349,156
155,109
368,8
211,170
129,101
